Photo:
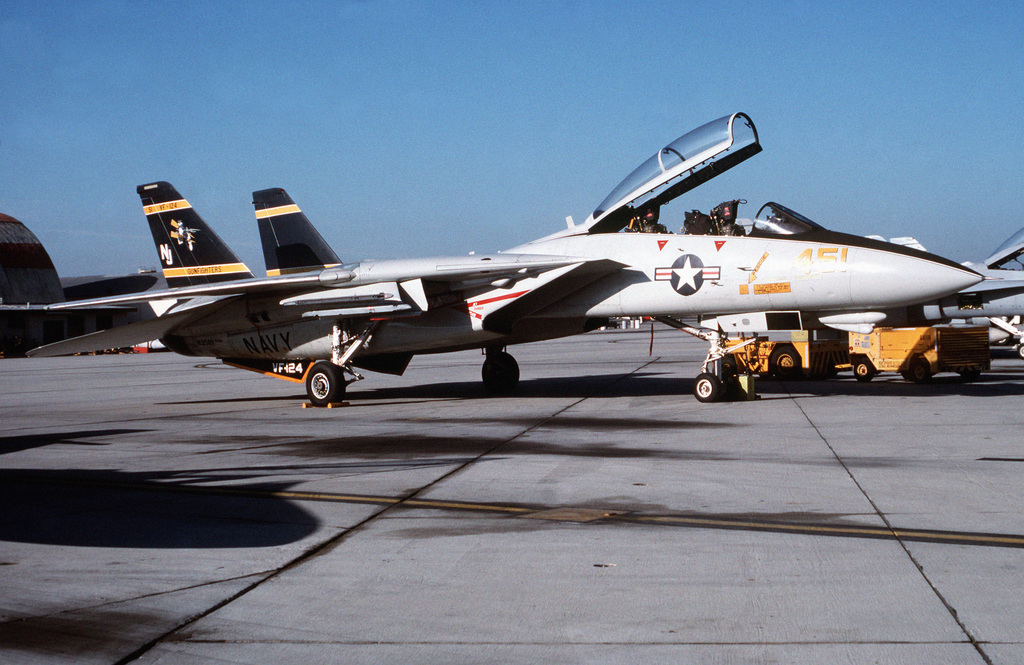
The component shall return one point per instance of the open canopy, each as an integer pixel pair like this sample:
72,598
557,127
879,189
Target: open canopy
687,162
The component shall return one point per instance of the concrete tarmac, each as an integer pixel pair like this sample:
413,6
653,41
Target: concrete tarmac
160,509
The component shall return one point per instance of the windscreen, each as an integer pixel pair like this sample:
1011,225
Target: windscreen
777,220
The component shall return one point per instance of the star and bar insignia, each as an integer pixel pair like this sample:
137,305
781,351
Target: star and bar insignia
687,274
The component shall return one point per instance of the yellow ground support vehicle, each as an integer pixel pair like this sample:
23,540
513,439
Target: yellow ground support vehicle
805,353
918,353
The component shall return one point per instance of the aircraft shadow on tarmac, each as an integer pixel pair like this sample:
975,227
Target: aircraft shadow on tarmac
18,442
989,385
144,510
660,385
617,385
672,381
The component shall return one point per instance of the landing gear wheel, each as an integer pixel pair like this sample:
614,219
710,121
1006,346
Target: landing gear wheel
325,383
970,375
500,373
919,371
863,370
708,388
784,363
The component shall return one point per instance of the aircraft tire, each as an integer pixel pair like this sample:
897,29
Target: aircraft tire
324,383
863,370
708,388
919,371
500,373
784,363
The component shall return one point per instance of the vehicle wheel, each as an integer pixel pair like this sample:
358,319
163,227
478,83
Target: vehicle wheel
500,373
1020,350
707,388
784,363
969,375
863,370
730,367
823,372
324,383
919,371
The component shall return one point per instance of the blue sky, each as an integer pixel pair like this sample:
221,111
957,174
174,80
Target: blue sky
408,129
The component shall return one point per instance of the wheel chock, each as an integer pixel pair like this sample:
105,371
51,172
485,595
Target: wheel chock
746,386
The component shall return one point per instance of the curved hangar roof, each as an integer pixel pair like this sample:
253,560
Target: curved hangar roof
27,274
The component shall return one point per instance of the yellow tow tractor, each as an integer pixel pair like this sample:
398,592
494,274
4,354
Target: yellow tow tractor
816,353
919,353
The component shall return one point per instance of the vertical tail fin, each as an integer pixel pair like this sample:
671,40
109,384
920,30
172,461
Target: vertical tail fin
290,243
190,252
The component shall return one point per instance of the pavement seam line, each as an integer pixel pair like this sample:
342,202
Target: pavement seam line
112,603
895,534
340,537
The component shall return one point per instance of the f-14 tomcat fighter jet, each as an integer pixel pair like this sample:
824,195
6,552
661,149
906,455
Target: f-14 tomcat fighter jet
315,319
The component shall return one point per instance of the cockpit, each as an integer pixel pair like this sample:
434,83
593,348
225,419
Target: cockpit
634,206
771,220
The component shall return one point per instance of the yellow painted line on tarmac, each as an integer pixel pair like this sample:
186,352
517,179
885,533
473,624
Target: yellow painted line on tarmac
693,521
958,537
388,500
459,505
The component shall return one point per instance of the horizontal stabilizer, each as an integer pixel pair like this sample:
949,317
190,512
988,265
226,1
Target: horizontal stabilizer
242,286
116,338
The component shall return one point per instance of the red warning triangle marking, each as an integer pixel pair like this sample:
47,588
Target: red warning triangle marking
719,244
661,244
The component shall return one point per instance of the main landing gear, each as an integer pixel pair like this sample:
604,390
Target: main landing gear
325,383
327,380
500,372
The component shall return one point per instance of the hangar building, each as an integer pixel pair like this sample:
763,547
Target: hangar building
29,282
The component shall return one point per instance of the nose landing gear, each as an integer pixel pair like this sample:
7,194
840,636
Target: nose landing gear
719,379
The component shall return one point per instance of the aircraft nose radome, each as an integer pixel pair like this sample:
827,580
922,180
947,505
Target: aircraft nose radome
900,279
